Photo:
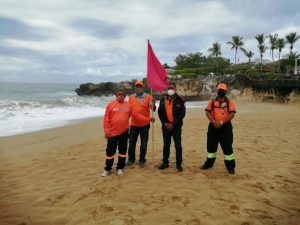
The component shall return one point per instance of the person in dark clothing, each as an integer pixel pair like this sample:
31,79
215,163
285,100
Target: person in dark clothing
220,111
171,112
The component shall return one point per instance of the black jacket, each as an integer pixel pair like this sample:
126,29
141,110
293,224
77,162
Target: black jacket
178,111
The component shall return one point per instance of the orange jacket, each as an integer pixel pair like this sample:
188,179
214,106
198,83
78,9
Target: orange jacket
116,118
140,105
220,110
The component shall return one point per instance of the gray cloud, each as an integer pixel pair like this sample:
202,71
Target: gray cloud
81,41
98,28
15,29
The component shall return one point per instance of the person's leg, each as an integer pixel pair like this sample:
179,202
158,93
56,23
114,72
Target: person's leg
110,152
133,136
144,132
212,146
122,146
178,147
226,140
166,147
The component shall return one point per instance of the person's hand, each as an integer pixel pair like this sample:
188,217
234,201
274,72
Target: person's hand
152,119
107,136
169,126
152,105
217,124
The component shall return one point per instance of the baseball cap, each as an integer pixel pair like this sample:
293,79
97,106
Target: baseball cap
139,83
222,86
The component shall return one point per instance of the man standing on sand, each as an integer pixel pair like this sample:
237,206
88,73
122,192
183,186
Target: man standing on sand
171,112
141,103
220,111
115,124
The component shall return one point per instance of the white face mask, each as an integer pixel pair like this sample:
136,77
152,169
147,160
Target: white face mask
171,92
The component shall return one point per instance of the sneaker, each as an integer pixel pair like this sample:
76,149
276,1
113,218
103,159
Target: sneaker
205,167
179,168
105,173
129,163
120,172
231,171
163,166
142,164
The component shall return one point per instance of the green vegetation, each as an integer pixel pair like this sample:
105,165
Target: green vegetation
196,64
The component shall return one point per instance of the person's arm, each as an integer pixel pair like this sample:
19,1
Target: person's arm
152,104
161,109
209,116
228,118
181,114
143,119
106,121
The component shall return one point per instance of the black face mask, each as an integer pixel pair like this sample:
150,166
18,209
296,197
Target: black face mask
221,94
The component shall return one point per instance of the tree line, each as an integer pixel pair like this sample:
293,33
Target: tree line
193,64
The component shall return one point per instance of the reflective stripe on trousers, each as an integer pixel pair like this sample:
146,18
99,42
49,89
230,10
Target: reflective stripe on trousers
229,157
211,155
110,157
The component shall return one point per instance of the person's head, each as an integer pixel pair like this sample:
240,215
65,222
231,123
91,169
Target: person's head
139,87
120,95
171,88
222,89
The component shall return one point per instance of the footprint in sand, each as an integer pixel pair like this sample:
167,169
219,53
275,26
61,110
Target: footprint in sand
234,209
180,200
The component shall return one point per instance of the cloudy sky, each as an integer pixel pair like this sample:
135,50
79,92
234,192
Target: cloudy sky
80,41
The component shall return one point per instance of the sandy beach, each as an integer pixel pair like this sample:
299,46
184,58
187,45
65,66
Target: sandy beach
53,176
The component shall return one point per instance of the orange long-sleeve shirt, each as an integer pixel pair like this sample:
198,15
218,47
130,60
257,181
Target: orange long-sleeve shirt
220,110
116,118
140,105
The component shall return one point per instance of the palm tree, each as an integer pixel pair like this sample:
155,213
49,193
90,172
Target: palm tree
273,41
236,43
292,57
261,46
280,45
291,38
249,54
215,51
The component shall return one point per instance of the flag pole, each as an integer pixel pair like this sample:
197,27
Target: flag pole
152,127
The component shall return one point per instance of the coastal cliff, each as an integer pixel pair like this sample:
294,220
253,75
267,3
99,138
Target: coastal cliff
203,88
189,89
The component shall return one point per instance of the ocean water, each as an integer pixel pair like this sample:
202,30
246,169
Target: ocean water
26,107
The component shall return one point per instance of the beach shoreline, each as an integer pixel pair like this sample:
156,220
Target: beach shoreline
53,176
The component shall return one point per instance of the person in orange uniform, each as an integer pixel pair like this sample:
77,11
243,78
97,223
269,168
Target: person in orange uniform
171,112
220,111
116,124
141,103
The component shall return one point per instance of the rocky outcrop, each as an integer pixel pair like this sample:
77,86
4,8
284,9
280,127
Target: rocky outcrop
190,89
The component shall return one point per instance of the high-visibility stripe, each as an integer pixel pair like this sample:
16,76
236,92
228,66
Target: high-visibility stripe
123,156
211,155
110,157
229,157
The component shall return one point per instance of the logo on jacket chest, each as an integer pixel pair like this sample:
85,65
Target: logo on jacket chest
140,100
123,108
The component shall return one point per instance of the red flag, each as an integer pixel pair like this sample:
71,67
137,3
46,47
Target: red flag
156,73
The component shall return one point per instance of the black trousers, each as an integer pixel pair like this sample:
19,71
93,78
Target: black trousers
120,142
133,136
176,134
224,136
